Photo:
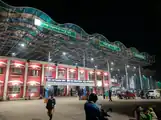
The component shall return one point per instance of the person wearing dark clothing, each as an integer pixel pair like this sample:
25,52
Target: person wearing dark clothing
92,111
110,95
50,106
104,96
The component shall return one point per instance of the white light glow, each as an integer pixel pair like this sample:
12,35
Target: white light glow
118,69
92,59
22,45
13,54
18,65
127,66
134,67
81,71
2,62
105,74
106,84
32,94
34,66
95,66
111,69
64,53
112,63
99,83
98,73
91,72
33,83
72,70
14,95
37,22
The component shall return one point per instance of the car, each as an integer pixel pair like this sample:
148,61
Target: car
126,95
154,93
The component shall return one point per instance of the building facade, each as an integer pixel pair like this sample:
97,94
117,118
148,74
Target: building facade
20,79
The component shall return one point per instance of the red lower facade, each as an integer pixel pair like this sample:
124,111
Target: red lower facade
21,79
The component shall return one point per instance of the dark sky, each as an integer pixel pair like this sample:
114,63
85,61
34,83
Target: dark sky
134,23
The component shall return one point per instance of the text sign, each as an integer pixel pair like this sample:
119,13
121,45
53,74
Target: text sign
109,46
139,56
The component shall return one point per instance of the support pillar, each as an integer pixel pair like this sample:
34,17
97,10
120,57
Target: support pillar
95,81
56,74
42,75
126,74
103,83
6,79
79,74
140,76
25,80
67,80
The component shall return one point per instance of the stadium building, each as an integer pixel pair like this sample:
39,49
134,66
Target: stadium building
37,53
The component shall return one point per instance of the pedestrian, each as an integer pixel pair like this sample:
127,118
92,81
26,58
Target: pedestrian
50,106
110,95
104,96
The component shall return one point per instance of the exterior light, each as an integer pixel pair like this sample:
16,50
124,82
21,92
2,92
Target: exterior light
37,22
22,45
92,59
112,63
50,59
118,70
13,54
95,66
111,69
17,65
64,53
134,67
127,66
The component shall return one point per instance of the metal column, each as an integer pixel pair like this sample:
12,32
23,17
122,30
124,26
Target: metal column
6,79
140,76
127,80
109,76
25,80
56,70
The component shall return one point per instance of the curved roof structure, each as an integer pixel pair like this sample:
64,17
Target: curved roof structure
40,35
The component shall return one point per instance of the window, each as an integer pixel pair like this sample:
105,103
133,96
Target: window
1,70
34,72
99,77
61,73
14,89
91,76
32,89
72,75
82,75
17,71
106,77
48,72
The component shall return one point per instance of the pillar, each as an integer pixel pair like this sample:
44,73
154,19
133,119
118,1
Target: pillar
95,81
56,70
126,74
140,76
25,79
103,83
42,75
67,80
79,74
6,79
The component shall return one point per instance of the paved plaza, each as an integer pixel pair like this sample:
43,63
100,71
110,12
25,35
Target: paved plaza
66,109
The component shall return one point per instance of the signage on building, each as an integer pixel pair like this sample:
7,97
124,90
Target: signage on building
51,81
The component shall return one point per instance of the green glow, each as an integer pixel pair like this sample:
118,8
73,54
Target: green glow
109,46
139,56
55,28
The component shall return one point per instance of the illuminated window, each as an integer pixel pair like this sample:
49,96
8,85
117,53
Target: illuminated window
33,72
61,73
1,70
14,89
99,77
49,72
82,75
72,75
17,71
32,89
91,76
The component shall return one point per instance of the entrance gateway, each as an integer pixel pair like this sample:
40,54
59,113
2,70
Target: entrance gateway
62,87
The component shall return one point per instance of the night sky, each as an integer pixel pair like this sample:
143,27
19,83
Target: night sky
134,23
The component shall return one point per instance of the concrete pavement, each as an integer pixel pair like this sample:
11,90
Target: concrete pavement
66,109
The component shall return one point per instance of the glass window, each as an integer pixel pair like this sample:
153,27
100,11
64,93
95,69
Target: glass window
106,77
61,73
99,77
33,72
82,75
91,76
1,70
72,75
32,89
49,72
17,71
14,89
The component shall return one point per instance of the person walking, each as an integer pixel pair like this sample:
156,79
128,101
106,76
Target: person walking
110,95
50,106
